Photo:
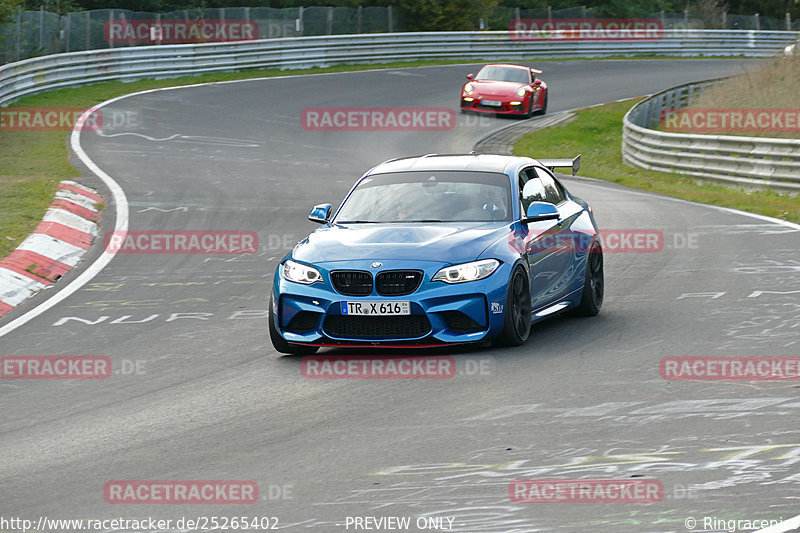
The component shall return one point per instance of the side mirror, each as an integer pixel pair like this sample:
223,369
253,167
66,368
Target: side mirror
469,76
537,82
539,211
320,213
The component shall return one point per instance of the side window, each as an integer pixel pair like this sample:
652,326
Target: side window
533,190
552,190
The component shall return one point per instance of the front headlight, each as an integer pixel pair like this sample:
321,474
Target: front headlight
300,273
467,271
521,92
468,88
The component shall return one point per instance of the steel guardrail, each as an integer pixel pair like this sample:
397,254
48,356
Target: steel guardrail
71,69
760,162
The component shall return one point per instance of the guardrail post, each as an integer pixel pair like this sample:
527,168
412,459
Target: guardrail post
329,28
299,22
41,27
67,23
19,32
390,18
758,22
110,23
123,20
788,22
550,13
88,30
358,19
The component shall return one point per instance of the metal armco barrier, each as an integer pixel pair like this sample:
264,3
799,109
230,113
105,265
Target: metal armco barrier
748,161
80,68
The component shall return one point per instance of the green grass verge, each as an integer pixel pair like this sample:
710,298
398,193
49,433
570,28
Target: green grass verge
596,134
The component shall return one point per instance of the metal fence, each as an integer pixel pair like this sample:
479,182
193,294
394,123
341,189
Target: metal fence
37,33
746,161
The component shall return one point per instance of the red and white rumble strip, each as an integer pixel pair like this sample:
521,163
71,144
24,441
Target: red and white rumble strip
55,246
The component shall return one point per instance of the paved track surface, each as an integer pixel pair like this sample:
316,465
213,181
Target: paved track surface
582,399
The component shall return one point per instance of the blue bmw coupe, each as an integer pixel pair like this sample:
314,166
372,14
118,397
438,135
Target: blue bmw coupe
436,250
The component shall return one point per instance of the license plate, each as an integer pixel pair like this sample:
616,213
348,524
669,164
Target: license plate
376,308
492,102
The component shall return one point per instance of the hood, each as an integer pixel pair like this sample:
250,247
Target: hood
458,242
505,89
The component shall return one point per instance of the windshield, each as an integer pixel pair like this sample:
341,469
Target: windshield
515,75
439,196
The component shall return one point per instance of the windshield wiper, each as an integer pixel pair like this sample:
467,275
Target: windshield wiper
356,222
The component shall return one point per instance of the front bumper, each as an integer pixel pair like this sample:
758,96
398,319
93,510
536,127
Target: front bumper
506,107
441,313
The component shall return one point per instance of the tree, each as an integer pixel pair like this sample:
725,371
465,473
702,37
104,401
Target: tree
8,8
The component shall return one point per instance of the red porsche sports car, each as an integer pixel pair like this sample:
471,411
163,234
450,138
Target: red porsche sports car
505,90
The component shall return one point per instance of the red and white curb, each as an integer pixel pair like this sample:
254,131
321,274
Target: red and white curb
56,245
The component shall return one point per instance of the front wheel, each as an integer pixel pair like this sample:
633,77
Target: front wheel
593,285
543,110
280,343
518,310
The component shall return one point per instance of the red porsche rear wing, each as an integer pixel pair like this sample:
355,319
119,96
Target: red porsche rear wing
553,164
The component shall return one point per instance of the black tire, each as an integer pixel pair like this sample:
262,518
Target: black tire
518,310
280,344
530,112
593,285
543,110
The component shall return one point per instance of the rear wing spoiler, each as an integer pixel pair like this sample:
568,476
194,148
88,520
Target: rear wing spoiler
552,164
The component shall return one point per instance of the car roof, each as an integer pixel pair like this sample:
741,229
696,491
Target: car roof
506,65
470,162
